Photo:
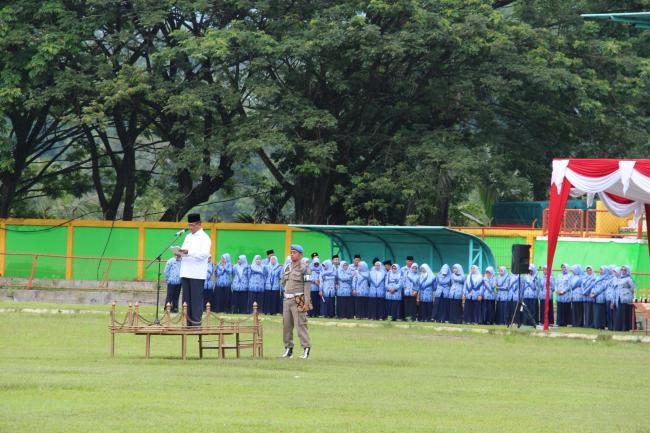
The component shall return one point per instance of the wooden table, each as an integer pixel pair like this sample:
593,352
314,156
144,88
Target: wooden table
254,342
247,332
643,309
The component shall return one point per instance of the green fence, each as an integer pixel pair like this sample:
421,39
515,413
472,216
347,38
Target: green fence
101,250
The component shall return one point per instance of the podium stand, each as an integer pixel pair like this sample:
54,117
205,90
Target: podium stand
643,309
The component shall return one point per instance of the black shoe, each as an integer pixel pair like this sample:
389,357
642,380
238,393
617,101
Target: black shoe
288,352
305,353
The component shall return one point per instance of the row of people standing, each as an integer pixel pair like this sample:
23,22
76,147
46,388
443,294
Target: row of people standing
595,299
415,292
234,287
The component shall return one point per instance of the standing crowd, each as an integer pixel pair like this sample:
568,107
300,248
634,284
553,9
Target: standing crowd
599,299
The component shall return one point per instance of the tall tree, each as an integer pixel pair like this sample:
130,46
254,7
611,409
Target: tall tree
362,86
38,146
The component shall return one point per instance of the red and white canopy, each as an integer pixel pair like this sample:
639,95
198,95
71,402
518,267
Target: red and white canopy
622,184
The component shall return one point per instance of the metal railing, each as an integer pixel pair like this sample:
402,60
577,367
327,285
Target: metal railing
596,223
107,263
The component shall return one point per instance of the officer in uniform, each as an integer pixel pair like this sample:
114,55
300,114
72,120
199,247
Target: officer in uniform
296,280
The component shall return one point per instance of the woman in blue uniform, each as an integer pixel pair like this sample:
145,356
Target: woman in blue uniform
575,285
272,294
623,297
471,292
541,298
410,290
515,294
441,294
394,293
344,299
487,297
563,290
223,284
240,275
256,283
425,294
529,292
360,290
208,286
315,285
376,291
173,279
598,295
327,289
588,283
502,285
456,294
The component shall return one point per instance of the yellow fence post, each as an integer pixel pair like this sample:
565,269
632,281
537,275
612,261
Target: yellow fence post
3,246
69,249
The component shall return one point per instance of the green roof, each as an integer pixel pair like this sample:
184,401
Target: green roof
427,244
637,19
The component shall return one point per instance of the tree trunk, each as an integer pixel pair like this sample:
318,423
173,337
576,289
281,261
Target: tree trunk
312,202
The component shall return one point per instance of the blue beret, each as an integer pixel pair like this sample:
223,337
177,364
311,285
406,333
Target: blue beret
296,247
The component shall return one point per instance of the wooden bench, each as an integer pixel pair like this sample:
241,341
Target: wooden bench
228,335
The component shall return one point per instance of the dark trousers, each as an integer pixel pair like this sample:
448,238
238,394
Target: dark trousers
173,293
381,309
372,309
208,298
541,305
272,302
576,313
600,315
193,297
327,306
563,313
609,315
221,299
425,311
239,301
488,310
623,317
361,307
345,307
502,313
437,310
410,308
455,311
513,316
394,309
442,310
529,317
315,301
588,314
471,311
255,297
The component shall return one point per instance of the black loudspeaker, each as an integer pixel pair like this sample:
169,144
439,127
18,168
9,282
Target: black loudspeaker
520,258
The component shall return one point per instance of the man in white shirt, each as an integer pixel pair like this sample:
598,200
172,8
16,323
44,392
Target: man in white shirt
194,267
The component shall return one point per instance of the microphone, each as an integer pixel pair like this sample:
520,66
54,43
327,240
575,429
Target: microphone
180,232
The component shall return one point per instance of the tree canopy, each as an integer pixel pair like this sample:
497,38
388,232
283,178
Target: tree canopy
340,112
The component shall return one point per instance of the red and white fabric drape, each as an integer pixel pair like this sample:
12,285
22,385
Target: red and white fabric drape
623,185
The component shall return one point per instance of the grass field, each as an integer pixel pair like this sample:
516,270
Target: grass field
56,375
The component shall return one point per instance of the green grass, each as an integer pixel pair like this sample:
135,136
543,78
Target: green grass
56,375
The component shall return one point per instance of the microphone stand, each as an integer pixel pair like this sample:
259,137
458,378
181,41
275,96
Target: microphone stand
158,259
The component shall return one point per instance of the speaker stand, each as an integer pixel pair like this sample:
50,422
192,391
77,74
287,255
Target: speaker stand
521,307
